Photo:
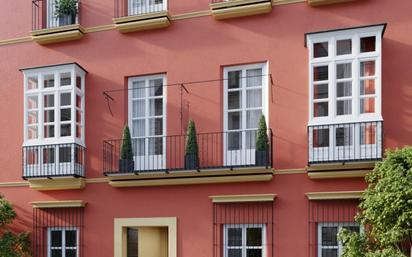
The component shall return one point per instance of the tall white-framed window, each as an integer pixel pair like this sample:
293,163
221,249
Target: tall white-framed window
245,100
345,94
138,7
53,20
328,243
244,240
62,242
147,119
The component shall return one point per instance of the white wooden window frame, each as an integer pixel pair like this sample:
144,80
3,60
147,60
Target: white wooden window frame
244,247
149,7
63,248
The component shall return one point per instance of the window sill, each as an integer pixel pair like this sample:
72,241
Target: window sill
61,183
254,174
325,2
142,22
58,34
239,8
340,170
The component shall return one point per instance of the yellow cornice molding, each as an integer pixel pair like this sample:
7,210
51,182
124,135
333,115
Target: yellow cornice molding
338,174
289,171
59,183
58,204
334,195
14,184
243,198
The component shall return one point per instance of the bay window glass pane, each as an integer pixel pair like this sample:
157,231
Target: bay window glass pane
48,131
343,47
65,99
368,134
32,117
234,252
78,101
139,108
253,252
344,136
330,253
139,128
65,154
367,105
32,132
138,89
329,236
156,127
156,87
234,236
78,131
253,236
56,238
79,82
71,238
343,70
320,109
234,79
320,91
320,73
254,98
234,99
48,101
71,252
65,114
65,79
320,49
48,155
234,141
65,130
321,137
344,89
252,118
367,68
344,107
367,87
254,78
78,116
56,253
155,146
32,102
155,107
234,120
367,44
32,83
48,81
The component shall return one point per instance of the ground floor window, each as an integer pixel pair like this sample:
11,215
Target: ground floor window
244,240
329,245
63,242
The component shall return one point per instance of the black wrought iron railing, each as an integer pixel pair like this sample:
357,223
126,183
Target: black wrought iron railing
216,150
123,8
57,160
46,14
240,2
347,142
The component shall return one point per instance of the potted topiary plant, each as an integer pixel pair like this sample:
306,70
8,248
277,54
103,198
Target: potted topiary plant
262,144
126,163
191,151
66,11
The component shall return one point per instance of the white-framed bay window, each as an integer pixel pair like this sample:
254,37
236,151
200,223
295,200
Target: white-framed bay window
244,240
328,243
62,242
345,117
139,7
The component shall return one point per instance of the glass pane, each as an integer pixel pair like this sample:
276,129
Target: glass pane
156,146
139,108
321,137
32,83
367,105
320,49
368,134
65,130
65,114
343,47
234,140
78,116
56,238
320,73
139,90
139,146
79,82
71,252
254,253
78,101
367,68
78,131
65,79
32,117
320,109
254,78
49,131
32,132
65,99
155,107
65,154
344,136
234,252
132,241
56,253
329,236
254,98
71,238
139,128
252,118
251,139
254,237
234,79
234,236
320,91
367,87
32,102
329,252
32,156
156,127
234,100
48,101
344,89
368,44
48,81
156,87
343,70
344,107
48,155
234,120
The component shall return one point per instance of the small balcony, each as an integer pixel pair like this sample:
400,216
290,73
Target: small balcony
221,156
139,15
54,21
326,2
226,9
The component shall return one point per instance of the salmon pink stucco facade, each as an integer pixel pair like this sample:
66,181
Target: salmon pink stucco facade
293,102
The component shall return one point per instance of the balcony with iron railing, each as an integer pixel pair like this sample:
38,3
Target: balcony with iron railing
226,9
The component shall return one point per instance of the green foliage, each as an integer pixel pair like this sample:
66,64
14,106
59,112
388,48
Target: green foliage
126,153
11,244
65,7
262,142
386,210
191,141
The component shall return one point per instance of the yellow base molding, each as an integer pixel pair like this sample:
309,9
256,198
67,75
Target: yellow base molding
325,2
192,177
340,170
242,198
338,174
63,183
148,21
58,204
58,34
289,171
334,195
239,8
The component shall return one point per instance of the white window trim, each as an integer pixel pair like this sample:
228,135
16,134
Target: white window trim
63,247
355,57
244,247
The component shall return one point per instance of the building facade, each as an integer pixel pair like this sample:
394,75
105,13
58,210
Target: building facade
328,77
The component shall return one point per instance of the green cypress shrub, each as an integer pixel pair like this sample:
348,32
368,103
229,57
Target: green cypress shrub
126,152
262,142
191,141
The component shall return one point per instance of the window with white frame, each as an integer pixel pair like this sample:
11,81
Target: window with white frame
244,240
63,242
328,243
138,7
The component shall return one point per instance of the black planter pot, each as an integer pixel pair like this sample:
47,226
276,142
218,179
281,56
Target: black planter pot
67,20
262,158
126,166
191,161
